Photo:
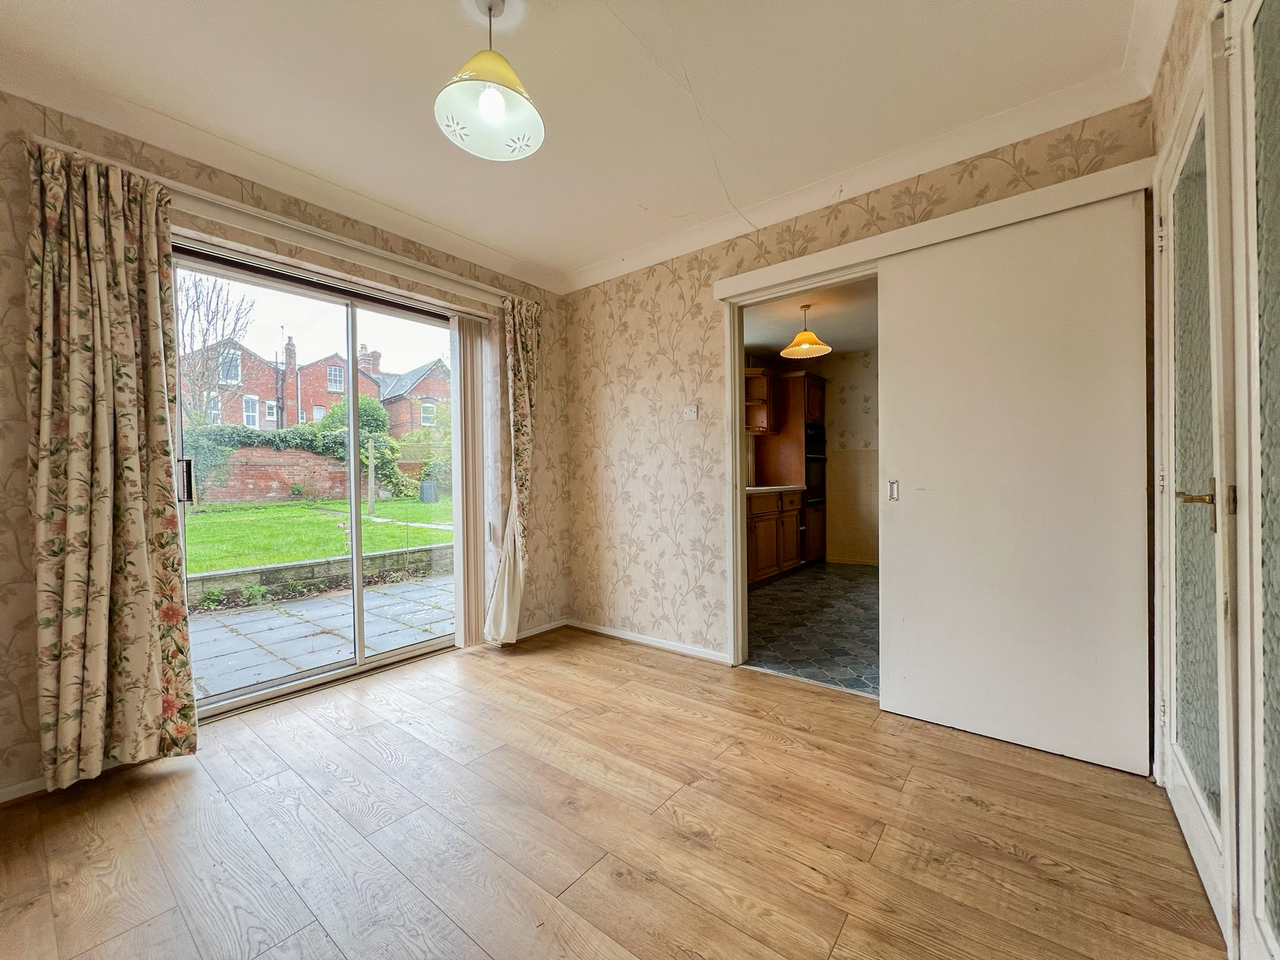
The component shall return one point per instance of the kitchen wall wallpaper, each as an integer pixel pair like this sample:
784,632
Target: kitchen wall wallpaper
853,400
647,518
546,597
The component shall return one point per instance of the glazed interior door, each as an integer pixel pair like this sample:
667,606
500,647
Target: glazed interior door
1258,85
1198,504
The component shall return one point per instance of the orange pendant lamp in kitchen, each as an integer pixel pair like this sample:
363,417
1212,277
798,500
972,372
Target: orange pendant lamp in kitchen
806,345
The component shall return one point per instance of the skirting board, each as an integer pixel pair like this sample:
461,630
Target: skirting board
716,656
544,628
20,791
853,563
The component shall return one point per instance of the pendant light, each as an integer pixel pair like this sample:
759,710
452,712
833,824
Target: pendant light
485,109
806,344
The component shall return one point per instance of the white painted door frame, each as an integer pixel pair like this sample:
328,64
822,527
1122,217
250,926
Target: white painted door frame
843,264
1258,940
1212,842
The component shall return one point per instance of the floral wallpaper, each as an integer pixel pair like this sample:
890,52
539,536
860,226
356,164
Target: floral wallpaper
853,400
647,517
628,525
546,597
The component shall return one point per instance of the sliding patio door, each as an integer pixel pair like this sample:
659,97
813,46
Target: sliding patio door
316,469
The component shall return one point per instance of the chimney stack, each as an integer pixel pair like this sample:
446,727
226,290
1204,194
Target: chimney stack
289,402
370,361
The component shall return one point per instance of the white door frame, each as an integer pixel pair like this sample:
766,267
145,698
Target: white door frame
1258,941
843,264
1212,844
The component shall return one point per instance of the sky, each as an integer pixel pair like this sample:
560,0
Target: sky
318,328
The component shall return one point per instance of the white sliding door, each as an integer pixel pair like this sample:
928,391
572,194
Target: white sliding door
1013,424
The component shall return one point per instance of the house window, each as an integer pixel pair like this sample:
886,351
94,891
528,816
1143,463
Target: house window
213,407
302,416
251,412
271,410
317,412
337,378
428,414
229,365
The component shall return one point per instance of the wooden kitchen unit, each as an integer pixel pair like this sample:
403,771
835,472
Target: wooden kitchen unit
773,531
785,419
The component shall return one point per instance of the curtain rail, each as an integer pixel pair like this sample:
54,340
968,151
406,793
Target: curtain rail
233,213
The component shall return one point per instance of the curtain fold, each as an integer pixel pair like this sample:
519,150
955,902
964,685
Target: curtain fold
519,362
114,672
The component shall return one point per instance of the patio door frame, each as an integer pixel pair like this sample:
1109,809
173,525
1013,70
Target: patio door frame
1257,939
202,256
1213,845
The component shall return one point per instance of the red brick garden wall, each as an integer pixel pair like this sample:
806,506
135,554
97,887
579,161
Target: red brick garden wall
260,473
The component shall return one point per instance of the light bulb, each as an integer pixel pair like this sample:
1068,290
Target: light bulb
493,109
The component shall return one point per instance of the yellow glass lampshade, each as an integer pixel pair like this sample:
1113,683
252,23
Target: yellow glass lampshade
486,110
806,344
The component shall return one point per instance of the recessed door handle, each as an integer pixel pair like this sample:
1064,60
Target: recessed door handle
1209,499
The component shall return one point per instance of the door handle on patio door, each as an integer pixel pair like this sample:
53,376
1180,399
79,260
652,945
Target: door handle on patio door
1210,499
187,495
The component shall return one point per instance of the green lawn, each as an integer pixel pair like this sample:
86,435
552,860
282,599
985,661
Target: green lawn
410,511
228,536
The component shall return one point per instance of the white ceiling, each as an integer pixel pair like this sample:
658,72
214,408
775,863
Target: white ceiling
843,317
670,125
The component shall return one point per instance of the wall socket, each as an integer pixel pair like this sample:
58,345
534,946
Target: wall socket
691,411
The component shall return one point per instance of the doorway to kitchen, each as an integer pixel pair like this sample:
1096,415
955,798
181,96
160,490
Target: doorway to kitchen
812,487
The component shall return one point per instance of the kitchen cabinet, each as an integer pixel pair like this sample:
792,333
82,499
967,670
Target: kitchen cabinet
815,398
761,401
773,533
814,518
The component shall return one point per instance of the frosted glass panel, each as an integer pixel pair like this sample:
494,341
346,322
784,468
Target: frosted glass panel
1196,586
1267,119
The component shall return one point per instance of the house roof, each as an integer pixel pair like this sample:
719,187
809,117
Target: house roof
399,384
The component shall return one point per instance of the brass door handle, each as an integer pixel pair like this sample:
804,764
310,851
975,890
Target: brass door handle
1195,498
1210,499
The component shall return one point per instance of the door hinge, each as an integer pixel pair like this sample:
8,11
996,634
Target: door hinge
1163,713
1160,234
1162,481
1226,605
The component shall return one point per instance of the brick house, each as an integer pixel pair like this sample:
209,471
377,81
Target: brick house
412,400
240,387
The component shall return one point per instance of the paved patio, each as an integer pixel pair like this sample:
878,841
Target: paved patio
236,648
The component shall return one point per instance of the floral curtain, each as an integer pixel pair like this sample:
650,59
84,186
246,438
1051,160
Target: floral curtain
114,678
520,360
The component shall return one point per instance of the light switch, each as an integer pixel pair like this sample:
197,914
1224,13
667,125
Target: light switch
691,411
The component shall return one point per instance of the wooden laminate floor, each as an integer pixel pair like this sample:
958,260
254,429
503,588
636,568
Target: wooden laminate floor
580,797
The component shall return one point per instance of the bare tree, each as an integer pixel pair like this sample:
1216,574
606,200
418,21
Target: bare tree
210,319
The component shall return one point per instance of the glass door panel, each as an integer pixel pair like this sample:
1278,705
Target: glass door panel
406,506
1195,576
267,530
1266,772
